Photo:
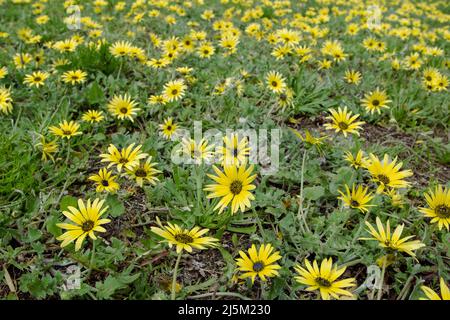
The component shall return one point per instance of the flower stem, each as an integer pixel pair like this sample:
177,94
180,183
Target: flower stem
380,289
301,214
174,279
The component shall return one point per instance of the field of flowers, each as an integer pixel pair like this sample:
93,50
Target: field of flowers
224,149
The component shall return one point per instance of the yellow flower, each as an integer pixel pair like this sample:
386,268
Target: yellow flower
235,152
144,171
352,76
184,239
205,50
343,121
374,101
392,241
74,77
233,185
48,148
36,79
197,152
309,139
157,99
387,173
324,279
66,129
105,181
120,48
432,295
439,206
259,262
128,157
92,116
86,219
5,100
3,72
358,161
275,82
168,128
174,90
358,198
123,107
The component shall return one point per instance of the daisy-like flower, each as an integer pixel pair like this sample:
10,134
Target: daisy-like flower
375,100
432,295
285,99
74,77
174,90
392,241
387,173
123,107
168,128
127,157
145,171
260,262
309,140
105,181
324,279
5,100
352,76
358,198
234,152
205,50
3,72
438,206
196,152
66,129
48,149
87,220
357,161
120,49
275,82
184,239
233,185
343,121
92,116
158,63
36,79
157,99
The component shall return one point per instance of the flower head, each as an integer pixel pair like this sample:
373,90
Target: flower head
438,206
259,262
324,279
357,198
123,107
386,173
343,121
375,100
66,129
127,157
86,219
432,295
392,241
105,181
184,239
232,185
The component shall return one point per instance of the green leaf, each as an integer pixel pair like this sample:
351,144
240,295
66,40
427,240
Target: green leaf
33,235
313,193
95,94
111,284
51,226
67,201
116,207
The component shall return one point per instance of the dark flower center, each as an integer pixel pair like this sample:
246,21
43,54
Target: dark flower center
74,77
174,91
105,183
235,152
169,128
184,238
123,110
67,132
343,126
376,102
140,173
236,187
123,160
274,84
383,179
354,203
87,225
258,266
37,79
442,211
428,78
205,51
323,282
